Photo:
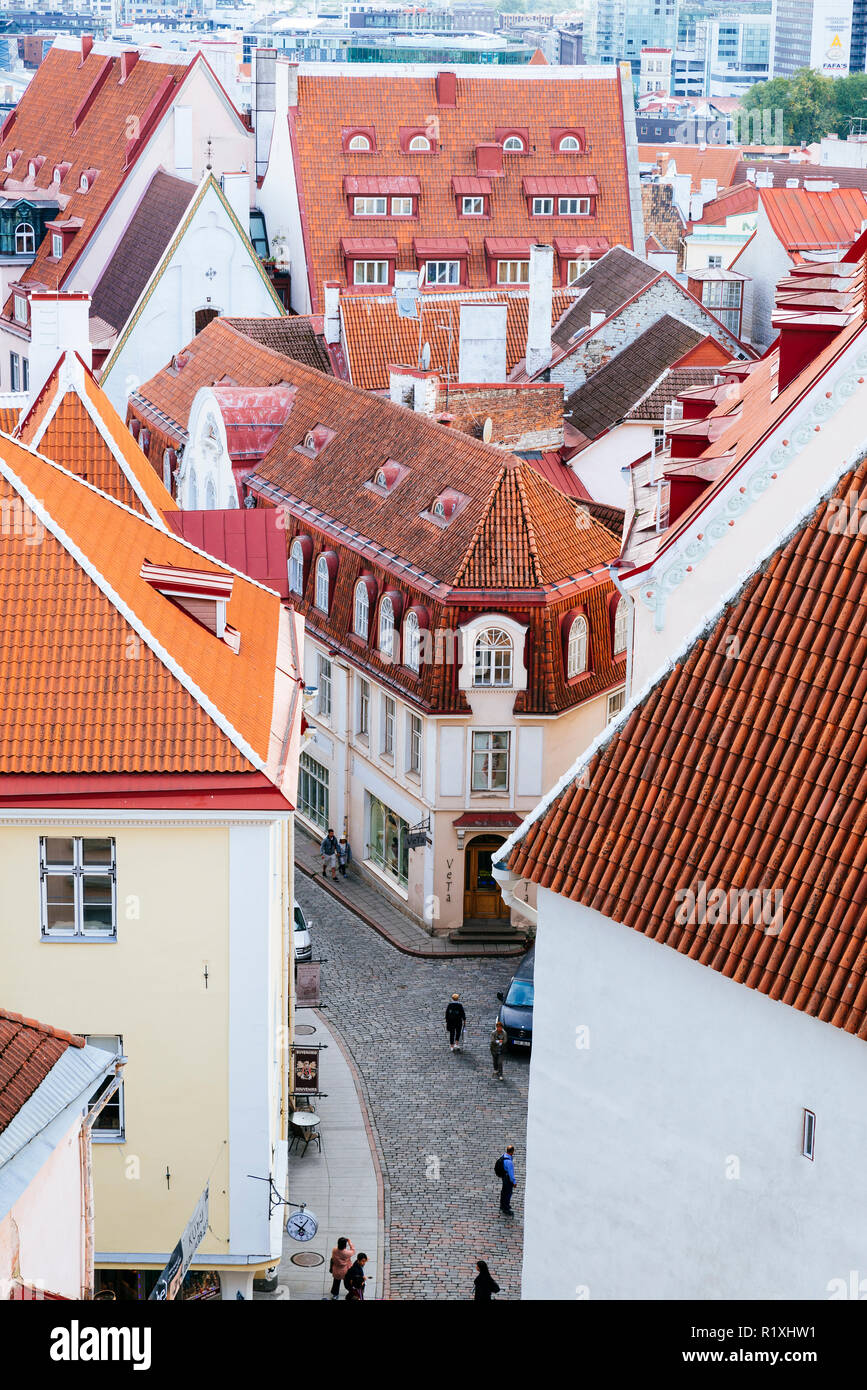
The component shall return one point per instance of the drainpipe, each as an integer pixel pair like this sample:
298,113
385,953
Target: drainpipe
508,883
630,638
86,1149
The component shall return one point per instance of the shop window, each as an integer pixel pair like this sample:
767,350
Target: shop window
313,790
387,845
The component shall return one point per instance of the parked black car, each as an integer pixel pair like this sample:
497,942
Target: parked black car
516,1005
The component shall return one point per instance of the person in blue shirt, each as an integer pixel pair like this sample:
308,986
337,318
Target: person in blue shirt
510,1182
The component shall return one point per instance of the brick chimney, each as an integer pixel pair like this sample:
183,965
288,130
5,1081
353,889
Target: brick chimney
128,60
86,46
447,88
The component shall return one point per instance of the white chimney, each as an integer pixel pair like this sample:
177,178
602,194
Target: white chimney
236,191
331,316
264,103
417,390
58,323
751,176
708,190
538,354
819,185
696,207
482,343
764,178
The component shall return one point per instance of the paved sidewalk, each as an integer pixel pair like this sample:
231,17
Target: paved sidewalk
375,911
341,1185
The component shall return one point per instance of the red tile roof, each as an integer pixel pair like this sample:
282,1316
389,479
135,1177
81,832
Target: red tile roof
28,1051
743,771
700,162
742,198
805,221
330,105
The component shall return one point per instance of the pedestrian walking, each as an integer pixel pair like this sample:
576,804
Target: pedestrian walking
328,850
355,1279
484,1285
341,1262
498,1047
455,1022
344,855
505,1171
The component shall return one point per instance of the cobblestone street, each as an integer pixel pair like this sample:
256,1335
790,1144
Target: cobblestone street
440,1118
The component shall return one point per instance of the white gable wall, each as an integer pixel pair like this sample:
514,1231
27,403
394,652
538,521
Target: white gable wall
765,260
166,322
664,1158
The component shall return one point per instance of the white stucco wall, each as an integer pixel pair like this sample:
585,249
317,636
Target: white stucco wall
599,467
41,1236
765,261
664,1157
278,196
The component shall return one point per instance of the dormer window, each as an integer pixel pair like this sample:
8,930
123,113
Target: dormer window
513,143
87,180
315,440
621,627
359,142
419,142
25,239
56,246
446,507
387,477
202,594
60,171
20,308
35,165
12,159
569,142
418,139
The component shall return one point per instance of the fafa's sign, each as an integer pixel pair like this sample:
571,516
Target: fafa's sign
169,1283
834,39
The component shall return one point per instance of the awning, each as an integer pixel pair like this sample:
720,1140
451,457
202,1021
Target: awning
562,185
488,820
467,183
584,248
373,184
452,247
356,247
496,246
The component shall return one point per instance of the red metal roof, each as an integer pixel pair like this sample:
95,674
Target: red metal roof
463,183
248,539
805,221
253,417
381,183
581,185
441,246
368,246
589,246
507,246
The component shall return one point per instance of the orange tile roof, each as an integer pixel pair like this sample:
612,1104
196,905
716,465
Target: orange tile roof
330,105
742,771
804,221
99,672
530,536
9,418
375,336
73,422
28,1051
44,125
741,198
709,162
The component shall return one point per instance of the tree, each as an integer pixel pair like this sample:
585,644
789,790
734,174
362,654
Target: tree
765,98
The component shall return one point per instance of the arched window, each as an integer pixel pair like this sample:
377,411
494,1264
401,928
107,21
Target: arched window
419,142
493,663
412,643
513,142
569,144
296,568
194,491
25,239
359,142
576,655
322,583
386,628
361,624
620,626
210,495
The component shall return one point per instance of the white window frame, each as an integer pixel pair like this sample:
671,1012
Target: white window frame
323,584
389,725
476,208
323,687
714,262
513,272
543,207
414,744
499,667
386,628
621,626
370,272
56,246
576,647
25,239
808,1141
20,308
78,871
117,1135
14,371
442,272
402,207
360,142
479,752
513,144
575,269
574,207
614,704
319,776
569,144
361,611
419,143
363,729
412,643
296,568
370,207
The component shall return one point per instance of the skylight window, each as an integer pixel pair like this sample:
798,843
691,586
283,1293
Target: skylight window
387,477
446,507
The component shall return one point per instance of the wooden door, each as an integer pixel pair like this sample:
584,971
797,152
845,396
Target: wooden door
482,898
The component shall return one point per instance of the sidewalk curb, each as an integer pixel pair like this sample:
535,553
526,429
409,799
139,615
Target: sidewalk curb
458,954
383,1260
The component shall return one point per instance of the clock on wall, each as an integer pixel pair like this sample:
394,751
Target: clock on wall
302,1225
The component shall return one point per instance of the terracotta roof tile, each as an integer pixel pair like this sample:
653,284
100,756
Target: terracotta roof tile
746,772
28,1051
330,105
700,162
295,335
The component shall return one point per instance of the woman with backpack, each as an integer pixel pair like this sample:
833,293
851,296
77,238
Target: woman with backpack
484,1285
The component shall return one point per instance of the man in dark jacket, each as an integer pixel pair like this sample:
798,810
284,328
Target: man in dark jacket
455,1021
509,1181
355,1279
328,849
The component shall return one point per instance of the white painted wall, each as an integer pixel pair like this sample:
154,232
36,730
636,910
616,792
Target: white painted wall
664,1158
278,196
42,1233
765,260
599,466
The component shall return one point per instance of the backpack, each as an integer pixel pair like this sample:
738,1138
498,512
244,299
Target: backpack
500,1167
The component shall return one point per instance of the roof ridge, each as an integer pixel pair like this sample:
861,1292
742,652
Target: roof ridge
73,1039
528,521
